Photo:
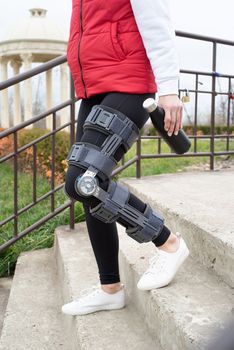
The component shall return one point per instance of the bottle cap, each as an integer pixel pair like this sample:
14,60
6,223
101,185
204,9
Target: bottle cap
150,105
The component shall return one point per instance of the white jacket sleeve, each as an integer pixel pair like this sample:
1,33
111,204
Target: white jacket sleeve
158,36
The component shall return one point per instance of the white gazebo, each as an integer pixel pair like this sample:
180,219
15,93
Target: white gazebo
35,39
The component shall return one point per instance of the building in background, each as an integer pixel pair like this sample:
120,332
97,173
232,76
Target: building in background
34,40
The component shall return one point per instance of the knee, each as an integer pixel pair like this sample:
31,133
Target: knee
72,173
69,187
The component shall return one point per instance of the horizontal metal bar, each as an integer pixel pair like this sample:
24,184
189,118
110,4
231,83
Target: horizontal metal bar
191,136
192,154
222,153
171,155
211,74
5,221
35,119
204,38
34,71
122,167
207,92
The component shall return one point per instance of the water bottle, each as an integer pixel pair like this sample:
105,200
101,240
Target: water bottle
178,143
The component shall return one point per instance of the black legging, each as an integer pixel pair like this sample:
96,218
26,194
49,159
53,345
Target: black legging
104,237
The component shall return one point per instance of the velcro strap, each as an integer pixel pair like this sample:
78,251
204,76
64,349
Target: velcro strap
113,123
86,154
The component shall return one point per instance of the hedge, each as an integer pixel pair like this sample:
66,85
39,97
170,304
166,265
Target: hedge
201,130
44,152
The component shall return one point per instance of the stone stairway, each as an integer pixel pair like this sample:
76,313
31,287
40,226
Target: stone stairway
185,315
118,329
32,319
198,304
5,287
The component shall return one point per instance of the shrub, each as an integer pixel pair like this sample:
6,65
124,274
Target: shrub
43,154
6,145
201,130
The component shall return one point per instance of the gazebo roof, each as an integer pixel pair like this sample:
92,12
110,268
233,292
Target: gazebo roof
36,35
36,27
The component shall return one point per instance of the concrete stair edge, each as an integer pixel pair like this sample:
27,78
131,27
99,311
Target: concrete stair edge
5,288
66,290
33,299
215,253
164,316
109,321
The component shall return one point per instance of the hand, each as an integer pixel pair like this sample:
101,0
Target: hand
173,108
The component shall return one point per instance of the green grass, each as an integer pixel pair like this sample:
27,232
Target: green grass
169,165
44,236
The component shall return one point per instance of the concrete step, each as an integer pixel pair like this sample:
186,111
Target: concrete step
5,287
188,312
33,318
115,329
200,205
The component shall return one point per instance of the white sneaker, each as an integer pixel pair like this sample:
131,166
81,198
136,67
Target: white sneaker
97,300
163,267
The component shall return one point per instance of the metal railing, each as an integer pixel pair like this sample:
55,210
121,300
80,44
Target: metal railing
13,131
18,150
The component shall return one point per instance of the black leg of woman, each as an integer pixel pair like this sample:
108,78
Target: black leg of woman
104,237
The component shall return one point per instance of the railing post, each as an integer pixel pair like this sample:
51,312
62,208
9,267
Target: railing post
213,105
228,114
138,162
15,143
72,140
195,113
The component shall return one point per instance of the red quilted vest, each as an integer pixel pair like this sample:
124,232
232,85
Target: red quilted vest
105,51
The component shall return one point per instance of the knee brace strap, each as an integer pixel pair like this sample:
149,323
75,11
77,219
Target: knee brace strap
112,122
143,227
120,131
85,155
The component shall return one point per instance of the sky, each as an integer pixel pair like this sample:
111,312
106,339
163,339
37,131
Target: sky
207,17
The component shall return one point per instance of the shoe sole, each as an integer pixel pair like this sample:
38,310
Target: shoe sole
103,308
180,262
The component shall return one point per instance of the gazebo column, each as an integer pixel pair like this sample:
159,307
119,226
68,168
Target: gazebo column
27,64
49,99
17,117
4,117
64,113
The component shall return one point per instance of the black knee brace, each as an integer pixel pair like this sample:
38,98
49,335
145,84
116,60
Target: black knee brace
96,163
143,227
118,131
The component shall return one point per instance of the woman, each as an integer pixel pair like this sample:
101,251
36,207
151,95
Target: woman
120,53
